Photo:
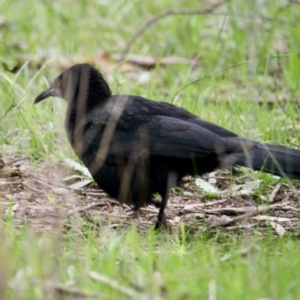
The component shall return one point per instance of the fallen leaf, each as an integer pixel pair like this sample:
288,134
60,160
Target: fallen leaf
61,191
246,189
219,221
207,187
212,177
78,167
187,194
80,184
278,228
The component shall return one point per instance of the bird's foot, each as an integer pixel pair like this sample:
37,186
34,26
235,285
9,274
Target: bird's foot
161,223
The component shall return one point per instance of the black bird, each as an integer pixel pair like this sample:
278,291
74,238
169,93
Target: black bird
135,147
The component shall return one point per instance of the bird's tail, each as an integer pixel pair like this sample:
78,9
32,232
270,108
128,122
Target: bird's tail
277,160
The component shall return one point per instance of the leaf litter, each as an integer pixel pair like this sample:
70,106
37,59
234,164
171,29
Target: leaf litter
60,195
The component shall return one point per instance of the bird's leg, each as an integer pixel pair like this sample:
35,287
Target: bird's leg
171,182
136,209
161,220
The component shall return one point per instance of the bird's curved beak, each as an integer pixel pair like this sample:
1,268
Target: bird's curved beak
49,92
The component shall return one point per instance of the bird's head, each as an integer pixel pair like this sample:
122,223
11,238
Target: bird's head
81,81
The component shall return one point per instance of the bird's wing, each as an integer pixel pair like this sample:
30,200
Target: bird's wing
159,136
179,113
173,137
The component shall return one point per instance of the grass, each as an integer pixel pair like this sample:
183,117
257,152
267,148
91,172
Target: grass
247,80
151,266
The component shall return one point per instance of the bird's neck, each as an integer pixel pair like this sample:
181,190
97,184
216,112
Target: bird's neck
79,109
88,91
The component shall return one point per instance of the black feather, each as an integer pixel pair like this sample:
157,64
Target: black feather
135,147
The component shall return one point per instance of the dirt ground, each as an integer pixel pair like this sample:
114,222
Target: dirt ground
39,194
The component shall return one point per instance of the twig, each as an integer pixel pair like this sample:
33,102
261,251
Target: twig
229,68
275,191
202,11
166,13
242,252
67,290
74,292
114,284
148,210
247,209
45,183
151,61
253,211
191,207
7,111
274,219
92,193
17,160
25,183
81,209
